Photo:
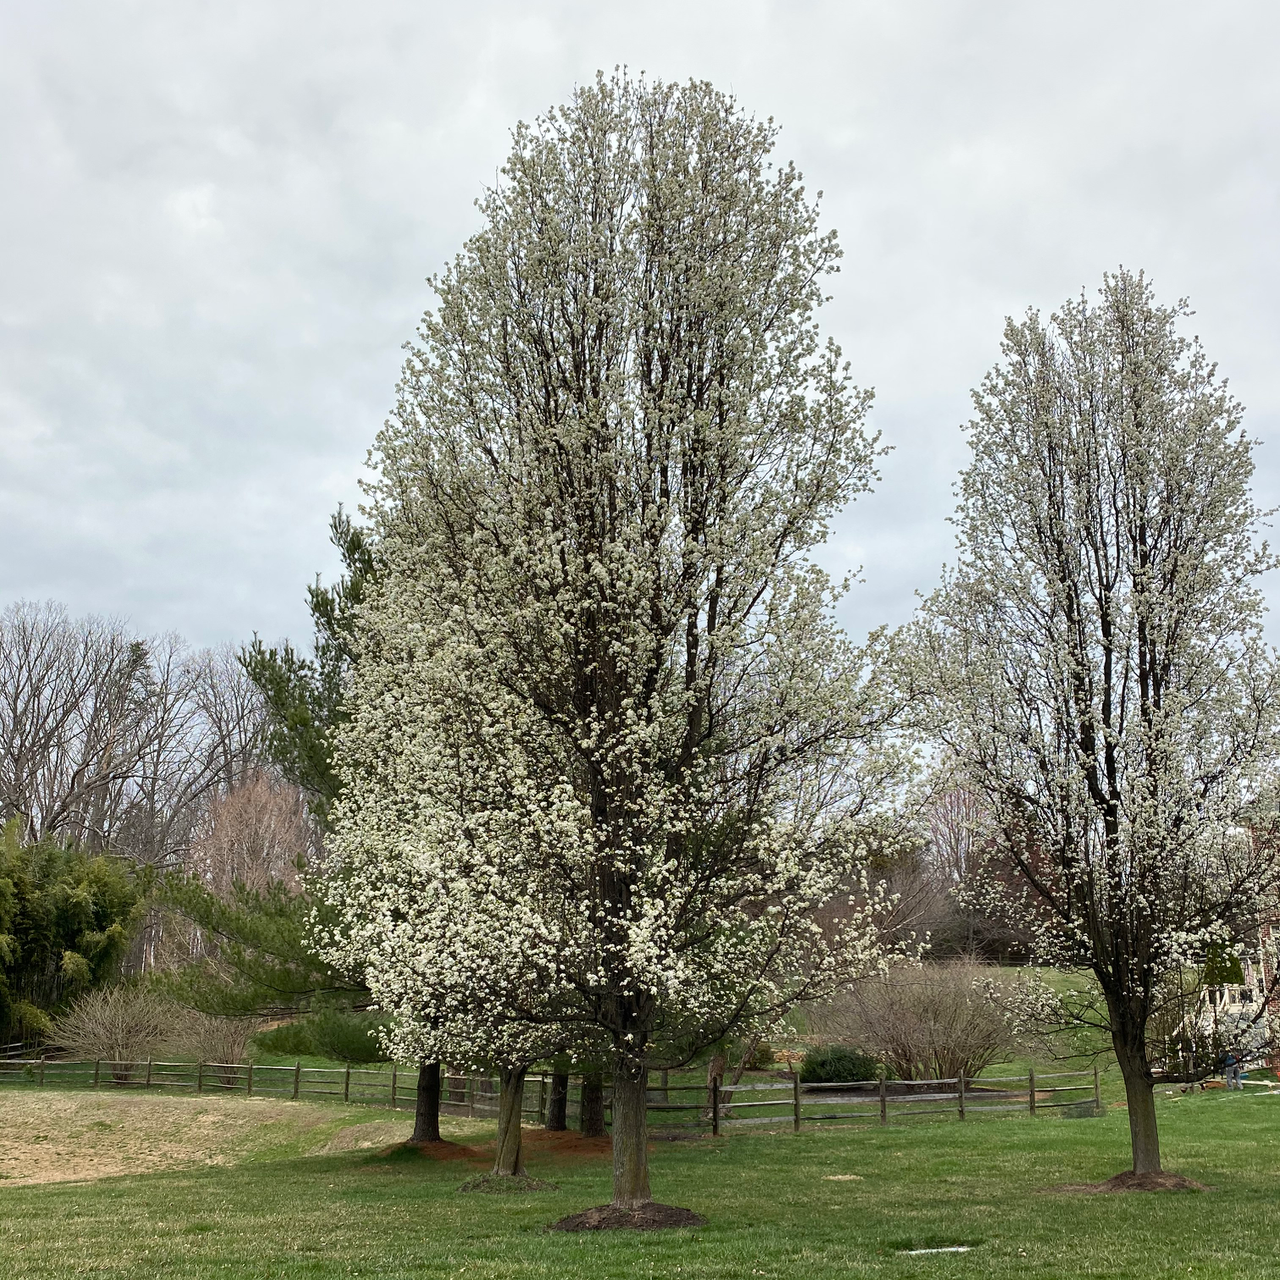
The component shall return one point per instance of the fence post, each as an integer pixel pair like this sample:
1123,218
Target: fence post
346,1084
97,1064
393,1086
199,1077
542,1100
41,1080
1031,1089
962,1095
715,1106
884,1097
1097,1089
297,1078
248,1087
471,1096
795,1100
147,1084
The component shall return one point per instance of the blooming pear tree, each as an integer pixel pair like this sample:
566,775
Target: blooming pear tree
608,755
1104,682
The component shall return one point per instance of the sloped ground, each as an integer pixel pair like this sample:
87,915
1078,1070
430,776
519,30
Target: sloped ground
75,1136
52,1136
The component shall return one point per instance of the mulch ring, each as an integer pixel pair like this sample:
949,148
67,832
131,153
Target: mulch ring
1130,1181
507,1184
648,1217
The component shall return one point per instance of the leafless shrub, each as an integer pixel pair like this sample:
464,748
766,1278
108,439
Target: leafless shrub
206,1038
117,1024
928,1023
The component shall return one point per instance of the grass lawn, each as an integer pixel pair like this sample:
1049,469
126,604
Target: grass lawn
826,1203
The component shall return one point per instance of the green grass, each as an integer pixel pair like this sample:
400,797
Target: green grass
771,1207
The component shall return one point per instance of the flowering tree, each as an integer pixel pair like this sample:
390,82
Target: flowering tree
1105,684
607,753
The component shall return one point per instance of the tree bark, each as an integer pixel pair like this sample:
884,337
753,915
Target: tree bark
426,1115
558,1102
1144,1137
591,1118
630,1137
508,1160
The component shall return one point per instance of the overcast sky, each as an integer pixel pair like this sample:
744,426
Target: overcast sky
216,222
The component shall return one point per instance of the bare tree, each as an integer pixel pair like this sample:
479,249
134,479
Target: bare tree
113,741
257,834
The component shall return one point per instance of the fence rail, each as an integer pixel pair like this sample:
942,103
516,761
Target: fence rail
783,1102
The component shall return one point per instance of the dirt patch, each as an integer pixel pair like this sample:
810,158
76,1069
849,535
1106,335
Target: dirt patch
1130,1181
649,1217
564,1144
507,1184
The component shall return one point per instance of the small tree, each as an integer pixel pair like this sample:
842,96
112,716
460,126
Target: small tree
1103,678
601,720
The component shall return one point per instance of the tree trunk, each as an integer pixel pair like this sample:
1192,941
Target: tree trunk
1140,1098
630,1137
508,1160
591,1118
558,1102
426,1115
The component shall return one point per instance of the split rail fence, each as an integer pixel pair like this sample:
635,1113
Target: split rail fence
786,1102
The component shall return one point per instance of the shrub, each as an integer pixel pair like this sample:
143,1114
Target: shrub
290,1038
209,1038
930,1022
118,1024
837,1064
333,1033
349,1037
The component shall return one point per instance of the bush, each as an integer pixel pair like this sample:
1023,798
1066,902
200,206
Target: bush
333,1033
119,1024
290,1039
349,1037
931,1022
210,1038
837,1064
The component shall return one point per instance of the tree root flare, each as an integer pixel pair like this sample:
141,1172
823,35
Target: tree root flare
1130,1181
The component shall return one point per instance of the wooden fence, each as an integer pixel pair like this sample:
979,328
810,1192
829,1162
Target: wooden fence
461,1095
884,1101
785,1102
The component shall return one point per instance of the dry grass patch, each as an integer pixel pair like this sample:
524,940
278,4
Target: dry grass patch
48,1136
52,1135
